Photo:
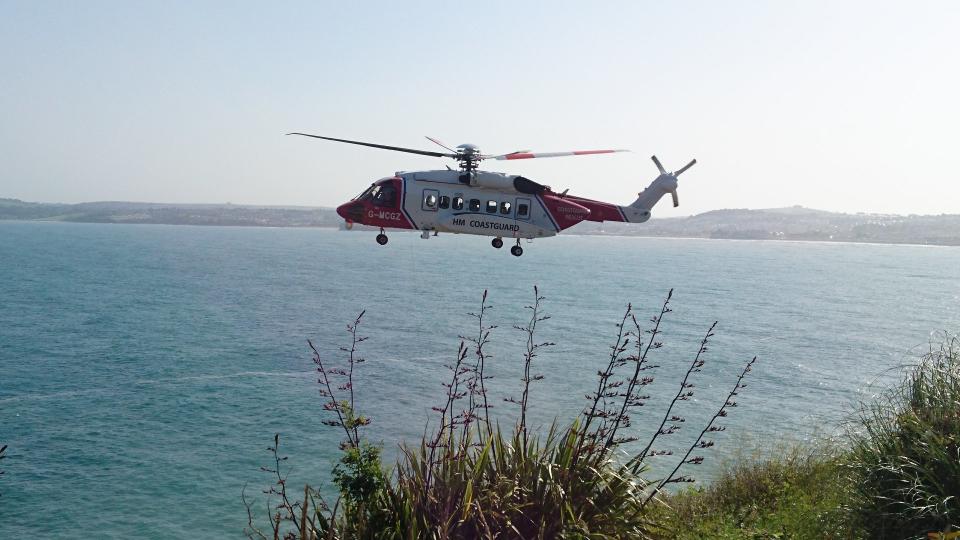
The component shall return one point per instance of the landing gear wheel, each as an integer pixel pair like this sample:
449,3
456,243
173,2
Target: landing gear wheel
497,243
382,239
516,251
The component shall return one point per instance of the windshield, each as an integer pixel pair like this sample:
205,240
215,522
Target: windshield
385,196
366,193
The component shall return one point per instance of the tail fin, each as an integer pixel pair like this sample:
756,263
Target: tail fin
663,184
639,210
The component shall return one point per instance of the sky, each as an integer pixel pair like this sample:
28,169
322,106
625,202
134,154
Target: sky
842,106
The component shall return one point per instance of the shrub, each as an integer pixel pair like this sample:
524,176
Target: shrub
906,455
469,478
794,492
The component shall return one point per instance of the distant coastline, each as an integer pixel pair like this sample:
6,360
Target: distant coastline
793,223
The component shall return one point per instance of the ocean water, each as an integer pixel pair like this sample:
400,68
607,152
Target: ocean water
145,369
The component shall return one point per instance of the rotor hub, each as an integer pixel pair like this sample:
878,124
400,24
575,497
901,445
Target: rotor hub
468,148
469,156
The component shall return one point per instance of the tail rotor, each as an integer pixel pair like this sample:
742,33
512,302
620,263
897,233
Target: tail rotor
685,167
659,166
669,179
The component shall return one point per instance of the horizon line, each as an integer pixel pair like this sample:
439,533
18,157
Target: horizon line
314,207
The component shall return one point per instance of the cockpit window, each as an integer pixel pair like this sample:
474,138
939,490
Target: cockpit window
385,195
367,193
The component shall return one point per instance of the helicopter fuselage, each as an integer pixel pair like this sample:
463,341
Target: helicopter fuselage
477,202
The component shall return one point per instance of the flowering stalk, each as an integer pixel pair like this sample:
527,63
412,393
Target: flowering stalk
604,385
352,360
476,385
529,355
629,398
700,443
683,394
326,392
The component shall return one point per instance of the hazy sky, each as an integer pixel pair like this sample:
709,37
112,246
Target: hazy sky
848,106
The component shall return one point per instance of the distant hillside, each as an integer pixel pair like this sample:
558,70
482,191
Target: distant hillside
793,223
171,214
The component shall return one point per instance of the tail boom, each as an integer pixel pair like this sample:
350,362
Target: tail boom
603,211
639,210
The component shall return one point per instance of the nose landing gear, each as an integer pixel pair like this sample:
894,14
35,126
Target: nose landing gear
517,250
497,243
382,238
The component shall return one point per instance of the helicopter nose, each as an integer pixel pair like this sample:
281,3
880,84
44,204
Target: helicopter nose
351,211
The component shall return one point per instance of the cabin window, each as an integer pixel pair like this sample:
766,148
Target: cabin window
492,207
458,203
430,197
505,208
444,202
522,210
474,205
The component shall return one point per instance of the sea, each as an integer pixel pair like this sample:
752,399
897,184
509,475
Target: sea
145,369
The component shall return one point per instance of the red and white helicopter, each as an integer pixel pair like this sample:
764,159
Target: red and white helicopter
471,201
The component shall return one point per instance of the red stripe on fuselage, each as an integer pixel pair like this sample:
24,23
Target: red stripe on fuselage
565,212
599,211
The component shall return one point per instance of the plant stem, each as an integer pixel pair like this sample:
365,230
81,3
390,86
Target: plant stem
628,395
719,413
683,386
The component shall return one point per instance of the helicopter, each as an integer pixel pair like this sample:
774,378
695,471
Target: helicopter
472,201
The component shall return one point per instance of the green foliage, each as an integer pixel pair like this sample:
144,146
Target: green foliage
359,475
799,494
508,487
362,483
896,476
906,458
519,487
468,478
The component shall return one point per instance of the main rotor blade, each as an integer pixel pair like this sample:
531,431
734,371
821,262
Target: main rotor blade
659,166
685,167
381,146
529,155
676,199
438,143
